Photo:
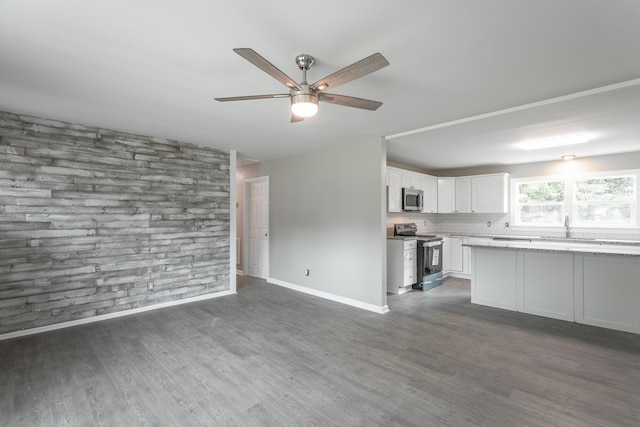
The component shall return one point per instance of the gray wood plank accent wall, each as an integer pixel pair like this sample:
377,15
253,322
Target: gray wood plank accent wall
91,218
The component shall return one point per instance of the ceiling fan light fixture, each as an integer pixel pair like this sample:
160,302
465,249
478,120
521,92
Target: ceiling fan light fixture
304,104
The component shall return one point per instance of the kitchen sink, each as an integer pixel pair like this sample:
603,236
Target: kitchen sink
516,238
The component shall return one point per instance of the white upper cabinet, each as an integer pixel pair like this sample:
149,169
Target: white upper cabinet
463,194
475,194
490,193
394,190
411,180
397,179
446,195
454,195
430,188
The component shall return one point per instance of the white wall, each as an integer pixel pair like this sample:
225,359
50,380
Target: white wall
327,214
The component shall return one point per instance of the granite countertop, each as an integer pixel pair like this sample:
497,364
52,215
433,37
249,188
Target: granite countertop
541,243
589,246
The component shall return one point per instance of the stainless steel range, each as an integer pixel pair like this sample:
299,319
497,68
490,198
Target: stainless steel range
429,256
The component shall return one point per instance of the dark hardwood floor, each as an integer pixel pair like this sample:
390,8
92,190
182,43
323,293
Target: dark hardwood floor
272,356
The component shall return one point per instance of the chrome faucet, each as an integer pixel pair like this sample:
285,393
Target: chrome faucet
567,233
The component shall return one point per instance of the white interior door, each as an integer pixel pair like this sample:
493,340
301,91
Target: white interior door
258,204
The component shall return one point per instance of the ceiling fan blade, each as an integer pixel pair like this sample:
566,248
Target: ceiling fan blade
266,66
245,98
354,71
295,119
349,101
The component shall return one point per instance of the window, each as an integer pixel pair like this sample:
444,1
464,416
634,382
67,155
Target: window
605,201
598,200
540,203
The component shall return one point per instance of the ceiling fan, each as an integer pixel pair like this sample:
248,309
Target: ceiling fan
304,96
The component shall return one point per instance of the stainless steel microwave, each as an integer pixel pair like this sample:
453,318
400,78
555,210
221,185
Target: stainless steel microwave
412,199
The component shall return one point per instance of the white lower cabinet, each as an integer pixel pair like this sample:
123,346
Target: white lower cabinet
532,282
454,251
546,284
401,265
456,257
594,289
494,278
609,295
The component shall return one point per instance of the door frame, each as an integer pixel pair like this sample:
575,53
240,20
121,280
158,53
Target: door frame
246,218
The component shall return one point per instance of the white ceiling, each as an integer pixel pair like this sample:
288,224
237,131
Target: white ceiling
474,77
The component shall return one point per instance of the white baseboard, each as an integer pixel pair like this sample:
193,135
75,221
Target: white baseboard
102,317
337,298
458,275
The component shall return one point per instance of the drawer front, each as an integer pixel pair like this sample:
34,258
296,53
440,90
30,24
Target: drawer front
409,276
409,258
410,244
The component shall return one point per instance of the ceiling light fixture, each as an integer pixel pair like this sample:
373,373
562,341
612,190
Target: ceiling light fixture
557,141
304,104
568,157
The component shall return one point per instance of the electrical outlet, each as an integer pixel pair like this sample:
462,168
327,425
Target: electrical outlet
150,285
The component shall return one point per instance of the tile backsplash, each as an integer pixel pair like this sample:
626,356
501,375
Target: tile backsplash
472,223
495,224
425,222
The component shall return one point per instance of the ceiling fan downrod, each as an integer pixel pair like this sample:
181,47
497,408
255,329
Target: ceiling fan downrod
304,102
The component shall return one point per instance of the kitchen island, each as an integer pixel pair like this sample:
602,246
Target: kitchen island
594,282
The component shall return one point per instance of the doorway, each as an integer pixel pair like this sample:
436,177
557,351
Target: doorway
257,226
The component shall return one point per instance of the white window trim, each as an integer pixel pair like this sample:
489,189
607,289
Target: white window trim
570,181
